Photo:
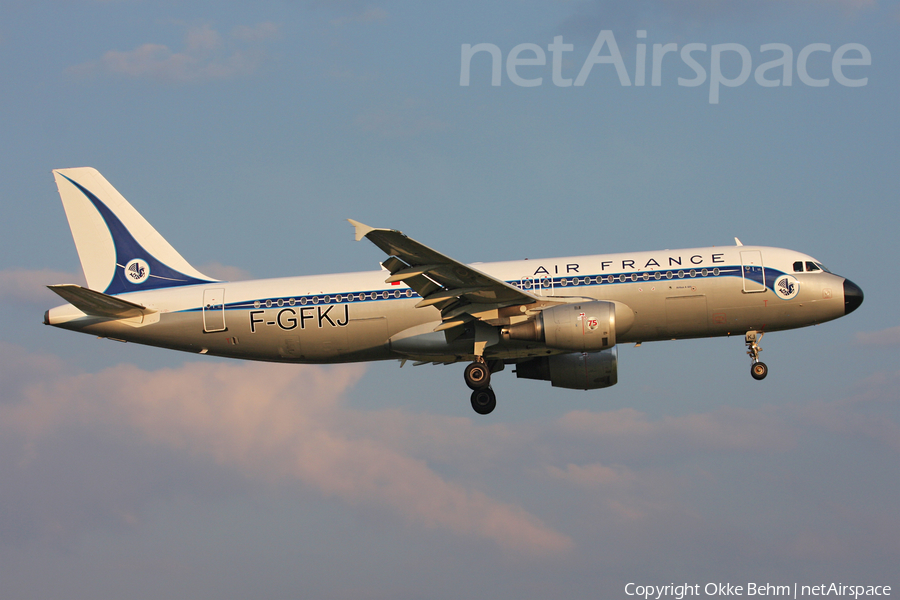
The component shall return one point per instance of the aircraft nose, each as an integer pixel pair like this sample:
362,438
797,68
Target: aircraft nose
853,296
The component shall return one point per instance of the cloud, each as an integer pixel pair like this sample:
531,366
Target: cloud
594,475
597,491
724,429
861,416
884,337
273,424
23,285
206,56
224,272
30,286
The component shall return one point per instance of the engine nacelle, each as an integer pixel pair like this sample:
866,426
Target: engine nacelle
579,327
576,371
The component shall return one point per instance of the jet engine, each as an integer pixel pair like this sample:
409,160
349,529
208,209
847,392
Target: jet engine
575,371
579,327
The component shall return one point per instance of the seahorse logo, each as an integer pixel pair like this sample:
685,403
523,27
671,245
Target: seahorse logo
786,287
137,271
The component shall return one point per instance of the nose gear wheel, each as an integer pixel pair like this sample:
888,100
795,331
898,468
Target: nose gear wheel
758,370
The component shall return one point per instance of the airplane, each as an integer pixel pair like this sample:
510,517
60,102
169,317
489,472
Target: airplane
558,320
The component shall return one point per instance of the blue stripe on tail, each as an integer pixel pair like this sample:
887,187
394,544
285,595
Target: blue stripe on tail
136,268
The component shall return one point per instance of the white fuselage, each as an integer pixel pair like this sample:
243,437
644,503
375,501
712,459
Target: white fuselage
690,293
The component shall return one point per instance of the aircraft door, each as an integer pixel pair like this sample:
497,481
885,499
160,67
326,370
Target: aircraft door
752,271
214,310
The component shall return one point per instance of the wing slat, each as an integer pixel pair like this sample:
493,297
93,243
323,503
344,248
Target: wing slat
446,295
409,272
439,278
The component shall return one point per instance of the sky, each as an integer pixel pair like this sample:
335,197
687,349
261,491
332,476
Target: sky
247,133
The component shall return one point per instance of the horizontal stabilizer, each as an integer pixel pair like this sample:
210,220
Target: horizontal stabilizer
98,304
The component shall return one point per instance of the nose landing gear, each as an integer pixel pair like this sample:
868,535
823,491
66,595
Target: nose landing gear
758,370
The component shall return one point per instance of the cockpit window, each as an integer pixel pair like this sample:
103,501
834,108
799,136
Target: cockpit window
811,267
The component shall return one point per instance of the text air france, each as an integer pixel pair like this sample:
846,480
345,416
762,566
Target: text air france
716,65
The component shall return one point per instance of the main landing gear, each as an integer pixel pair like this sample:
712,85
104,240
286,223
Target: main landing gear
477,375
484,401
758,370
478,378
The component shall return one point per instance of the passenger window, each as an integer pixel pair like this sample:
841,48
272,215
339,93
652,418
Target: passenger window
811,266
798,266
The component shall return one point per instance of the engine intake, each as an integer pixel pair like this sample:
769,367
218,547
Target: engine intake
581,327
575,371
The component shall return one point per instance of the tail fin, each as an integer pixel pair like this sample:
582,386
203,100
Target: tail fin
119,250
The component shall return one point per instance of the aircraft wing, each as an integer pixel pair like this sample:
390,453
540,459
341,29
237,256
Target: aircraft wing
462,293
98,304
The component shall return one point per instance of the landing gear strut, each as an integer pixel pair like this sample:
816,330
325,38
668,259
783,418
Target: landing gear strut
758,370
